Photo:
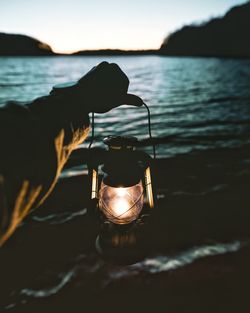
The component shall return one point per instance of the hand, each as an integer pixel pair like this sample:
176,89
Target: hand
103,88
106,87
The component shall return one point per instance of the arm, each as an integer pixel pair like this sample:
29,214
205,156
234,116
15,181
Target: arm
33,153
37,138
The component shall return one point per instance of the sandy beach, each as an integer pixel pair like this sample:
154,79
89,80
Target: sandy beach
202,204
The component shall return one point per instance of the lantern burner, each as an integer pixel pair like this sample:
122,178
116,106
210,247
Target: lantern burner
120,142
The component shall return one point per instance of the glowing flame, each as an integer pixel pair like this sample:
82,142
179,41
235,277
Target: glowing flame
121,205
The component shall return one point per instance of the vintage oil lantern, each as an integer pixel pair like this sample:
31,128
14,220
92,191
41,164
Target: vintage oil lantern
121,189
126,184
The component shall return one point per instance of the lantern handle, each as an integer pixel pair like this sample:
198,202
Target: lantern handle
149,129
92,130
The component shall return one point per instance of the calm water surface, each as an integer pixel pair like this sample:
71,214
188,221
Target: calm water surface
196,103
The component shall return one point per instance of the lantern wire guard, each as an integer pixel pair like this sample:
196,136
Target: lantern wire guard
121,205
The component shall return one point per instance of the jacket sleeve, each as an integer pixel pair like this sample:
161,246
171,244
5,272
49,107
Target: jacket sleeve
36,140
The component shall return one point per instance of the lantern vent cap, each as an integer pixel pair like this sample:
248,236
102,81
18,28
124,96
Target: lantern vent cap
118,142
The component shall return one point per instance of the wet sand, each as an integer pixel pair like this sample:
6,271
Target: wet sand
203,199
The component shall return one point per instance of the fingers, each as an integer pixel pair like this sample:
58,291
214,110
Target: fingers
95,71
120,79
106,87
131,99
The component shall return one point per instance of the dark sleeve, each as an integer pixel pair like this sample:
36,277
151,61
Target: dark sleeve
36,140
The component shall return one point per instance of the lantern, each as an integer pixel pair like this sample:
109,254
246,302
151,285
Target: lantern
121,193
125,187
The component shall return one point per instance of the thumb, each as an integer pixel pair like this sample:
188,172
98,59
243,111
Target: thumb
131,99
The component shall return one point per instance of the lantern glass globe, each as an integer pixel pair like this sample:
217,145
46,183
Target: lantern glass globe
121,205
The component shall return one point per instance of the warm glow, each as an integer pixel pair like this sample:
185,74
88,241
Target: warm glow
121,205
94,184
149,188
130,40
121,192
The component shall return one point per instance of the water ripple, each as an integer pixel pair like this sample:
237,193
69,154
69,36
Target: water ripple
165,263
59,218
179,99
42,293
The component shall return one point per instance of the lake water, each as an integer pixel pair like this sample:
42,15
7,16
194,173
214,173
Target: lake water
196,103
200,111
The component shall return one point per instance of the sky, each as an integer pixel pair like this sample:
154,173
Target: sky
72,25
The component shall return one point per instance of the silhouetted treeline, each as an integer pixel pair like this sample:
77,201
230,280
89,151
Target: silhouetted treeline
13,44
221,37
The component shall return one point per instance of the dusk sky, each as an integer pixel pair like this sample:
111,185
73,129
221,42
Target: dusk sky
71,25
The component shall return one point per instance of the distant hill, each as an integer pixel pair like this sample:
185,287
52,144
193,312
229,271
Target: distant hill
12,44
228,36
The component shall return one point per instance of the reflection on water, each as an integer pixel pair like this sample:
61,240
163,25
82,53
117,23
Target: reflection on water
59,218
154,265
201,103
163,263
66,277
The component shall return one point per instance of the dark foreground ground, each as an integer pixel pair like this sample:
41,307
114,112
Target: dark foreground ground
51,265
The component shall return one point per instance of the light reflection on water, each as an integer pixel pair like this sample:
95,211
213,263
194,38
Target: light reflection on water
154,265
165,263
189,97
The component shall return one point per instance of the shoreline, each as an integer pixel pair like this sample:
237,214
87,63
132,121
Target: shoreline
51,263
136,54
192,212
